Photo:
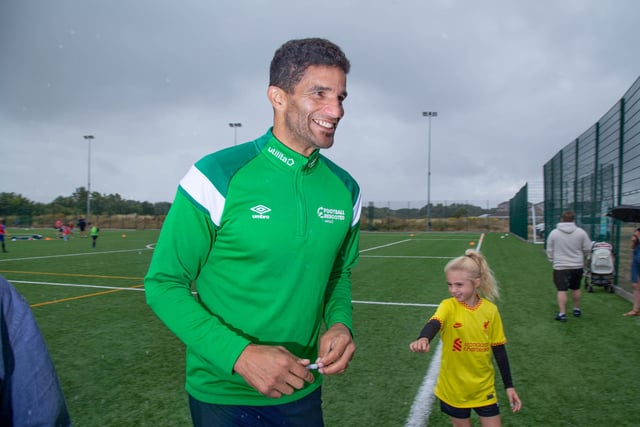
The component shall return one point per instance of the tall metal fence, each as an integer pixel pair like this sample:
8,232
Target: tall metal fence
518,213
600,169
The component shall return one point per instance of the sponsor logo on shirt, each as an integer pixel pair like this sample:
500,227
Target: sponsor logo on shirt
330,215
280,156
261,212
475,347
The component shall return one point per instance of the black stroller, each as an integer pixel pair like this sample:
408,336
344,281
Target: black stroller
600,269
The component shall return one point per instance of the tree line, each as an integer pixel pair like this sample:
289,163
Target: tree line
23,209
439,210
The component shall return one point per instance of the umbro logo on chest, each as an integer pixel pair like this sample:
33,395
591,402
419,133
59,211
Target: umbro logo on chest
260,212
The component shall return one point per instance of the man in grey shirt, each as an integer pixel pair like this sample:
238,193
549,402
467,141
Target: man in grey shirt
567,247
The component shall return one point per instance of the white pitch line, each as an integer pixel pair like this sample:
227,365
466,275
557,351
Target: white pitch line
421,408
407,304
74,285
443,240
408,256
79,254
384,246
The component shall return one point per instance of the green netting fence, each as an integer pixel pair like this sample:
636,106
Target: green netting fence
518,213
598,170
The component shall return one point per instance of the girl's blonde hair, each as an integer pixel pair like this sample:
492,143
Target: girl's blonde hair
477,268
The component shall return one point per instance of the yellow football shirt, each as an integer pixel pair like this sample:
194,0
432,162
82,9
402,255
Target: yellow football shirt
467,377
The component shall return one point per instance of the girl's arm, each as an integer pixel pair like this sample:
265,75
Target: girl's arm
430,329
421,345
500,353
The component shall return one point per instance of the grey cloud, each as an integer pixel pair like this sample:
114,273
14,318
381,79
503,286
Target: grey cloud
158,82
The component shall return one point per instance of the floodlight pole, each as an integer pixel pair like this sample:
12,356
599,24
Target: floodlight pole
235,127
89,138
429,114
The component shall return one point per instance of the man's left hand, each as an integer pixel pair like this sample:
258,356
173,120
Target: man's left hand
336,350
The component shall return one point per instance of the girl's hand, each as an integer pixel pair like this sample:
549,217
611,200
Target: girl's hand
420,345
514,400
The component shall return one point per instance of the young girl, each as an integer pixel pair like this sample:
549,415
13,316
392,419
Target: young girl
471,331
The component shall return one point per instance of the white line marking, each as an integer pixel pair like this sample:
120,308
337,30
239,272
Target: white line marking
480,242
408,256
73,285
421,408
384,246
409,304
80,254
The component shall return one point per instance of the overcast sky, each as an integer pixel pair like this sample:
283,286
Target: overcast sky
158,82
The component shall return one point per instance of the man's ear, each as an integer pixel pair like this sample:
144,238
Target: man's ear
277,97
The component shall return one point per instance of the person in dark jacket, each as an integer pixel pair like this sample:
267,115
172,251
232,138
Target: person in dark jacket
30,392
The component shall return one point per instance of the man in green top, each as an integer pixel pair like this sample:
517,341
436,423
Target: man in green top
268,231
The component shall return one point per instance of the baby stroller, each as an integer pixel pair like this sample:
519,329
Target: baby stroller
600,267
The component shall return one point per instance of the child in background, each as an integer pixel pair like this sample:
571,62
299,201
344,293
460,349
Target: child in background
471,331
3,232
95,232
58,227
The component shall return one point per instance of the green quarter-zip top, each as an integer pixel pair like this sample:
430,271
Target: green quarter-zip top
269,237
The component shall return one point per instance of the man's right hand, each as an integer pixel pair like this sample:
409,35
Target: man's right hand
273,371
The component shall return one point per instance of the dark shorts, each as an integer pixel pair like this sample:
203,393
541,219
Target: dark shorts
635,271
306,412
567,279
464,413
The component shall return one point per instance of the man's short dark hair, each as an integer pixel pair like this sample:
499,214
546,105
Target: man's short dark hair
568,216
293,58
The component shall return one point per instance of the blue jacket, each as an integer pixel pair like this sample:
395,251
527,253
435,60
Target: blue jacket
30,393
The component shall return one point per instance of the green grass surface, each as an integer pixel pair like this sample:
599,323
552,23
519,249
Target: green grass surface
119,366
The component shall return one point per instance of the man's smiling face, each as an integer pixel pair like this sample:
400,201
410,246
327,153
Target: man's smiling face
312,112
